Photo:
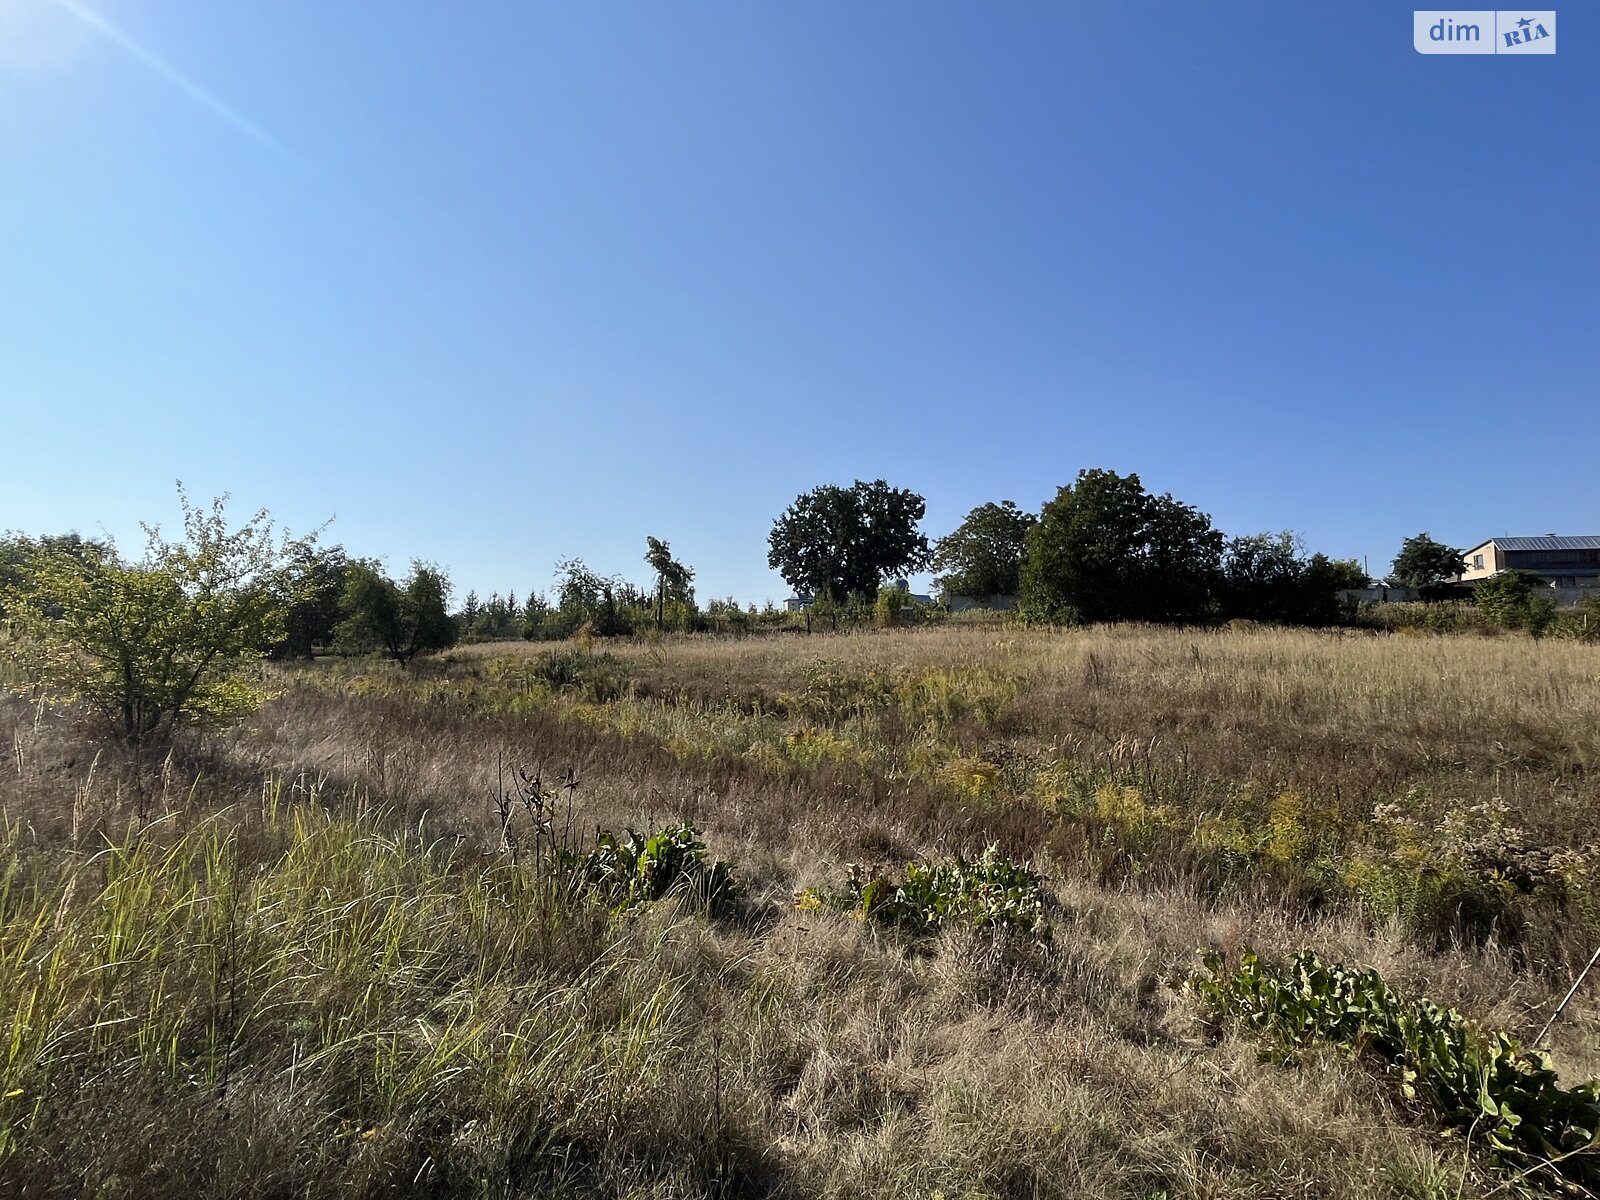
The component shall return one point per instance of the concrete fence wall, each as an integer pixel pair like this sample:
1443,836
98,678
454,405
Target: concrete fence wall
959,604
1380,595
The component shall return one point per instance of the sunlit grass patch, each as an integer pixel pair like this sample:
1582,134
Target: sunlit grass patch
391,984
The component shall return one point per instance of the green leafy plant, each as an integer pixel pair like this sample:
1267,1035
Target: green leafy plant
1509,1097
990,892
890,608
637,868
536,831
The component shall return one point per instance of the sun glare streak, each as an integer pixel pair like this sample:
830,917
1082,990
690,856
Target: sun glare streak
177,79
367,226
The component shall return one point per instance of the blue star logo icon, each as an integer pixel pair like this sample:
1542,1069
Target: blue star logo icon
1525,22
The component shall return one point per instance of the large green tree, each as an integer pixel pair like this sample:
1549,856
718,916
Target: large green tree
1106,550
1268,577
836,541
983,557
1262,576
608,604
1424,563
674,581
157,644
399,620
313,616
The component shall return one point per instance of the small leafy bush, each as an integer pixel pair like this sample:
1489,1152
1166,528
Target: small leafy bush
890,607
637,868
1466,872
1515,600
810,746
1580,623
1416,616
988,893
974,775
624,872
596,677
1509,1096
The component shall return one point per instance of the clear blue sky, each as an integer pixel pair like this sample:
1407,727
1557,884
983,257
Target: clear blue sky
498,283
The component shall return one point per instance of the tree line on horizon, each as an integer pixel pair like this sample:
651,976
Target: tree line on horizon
1103,549
154,643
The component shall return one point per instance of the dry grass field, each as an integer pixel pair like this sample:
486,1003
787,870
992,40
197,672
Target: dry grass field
302,958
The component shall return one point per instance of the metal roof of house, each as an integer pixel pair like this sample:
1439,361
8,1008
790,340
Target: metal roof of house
1547,543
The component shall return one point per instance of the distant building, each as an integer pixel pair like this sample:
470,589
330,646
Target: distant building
904,585
1570,565
798,602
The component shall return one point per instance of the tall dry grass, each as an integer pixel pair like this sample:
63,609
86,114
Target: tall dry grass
292,961
1324,709
1318,766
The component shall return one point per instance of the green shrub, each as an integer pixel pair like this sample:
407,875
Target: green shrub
1515,600
1581,623
1465,873
1508,1096
596,677
889,609
1417,615
149,647
672,861
989,893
